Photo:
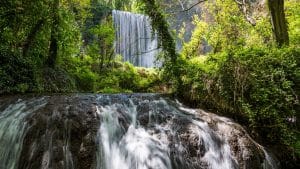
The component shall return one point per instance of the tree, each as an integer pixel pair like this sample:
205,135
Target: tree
279,22
31,36
171,57
102,46
53,50
160,24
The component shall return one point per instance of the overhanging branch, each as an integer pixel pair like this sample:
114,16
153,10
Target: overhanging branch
243,5
197,3
191,7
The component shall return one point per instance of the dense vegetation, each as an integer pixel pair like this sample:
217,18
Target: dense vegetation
246,73
251,71
65,46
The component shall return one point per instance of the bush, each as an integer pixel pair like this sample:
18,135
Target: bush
18,74
260,83
85,79
57,80
127,78
258,86
114,78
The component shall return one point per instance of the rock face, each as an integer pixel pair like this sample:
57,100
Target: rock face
61,135
135,131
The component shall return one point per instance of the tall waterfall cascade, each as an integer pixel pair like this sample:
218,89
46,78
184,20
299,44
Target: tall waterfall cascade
121,131
135,39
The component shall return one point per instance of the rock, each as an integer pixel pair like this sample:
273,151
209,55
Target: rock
64,134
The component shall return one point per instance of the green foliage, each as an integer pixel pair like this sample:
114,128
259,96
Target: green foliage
69,34
193,47
101,48
17,73
255,84
127,78
170,58
297,144
260,83
245,76
85,79
118,77
118,4
224,27
293,18
26,39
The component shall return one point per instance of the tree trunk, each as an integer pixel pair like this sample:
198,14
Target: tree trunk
279,23
101,54
31,36
53,50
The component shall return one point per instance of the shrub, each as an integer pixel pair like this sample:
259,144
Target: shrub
127,78
260,84
17,74
257,86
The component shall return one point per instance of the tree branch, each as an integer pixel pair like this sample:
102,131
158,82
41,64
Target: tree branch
189,8
243,6
197,3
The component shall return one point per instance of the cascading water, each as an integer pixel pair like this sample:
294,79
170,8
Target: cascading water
131,148
135,40
66,148
13,129
137,145
138,131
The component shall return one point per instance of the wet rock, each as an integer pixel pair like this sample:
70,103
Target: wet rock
64,134
246,151
65,125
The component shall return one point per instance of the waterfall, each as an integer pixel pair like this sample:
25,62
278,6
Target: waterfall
269,162
135,40
134,144
131,149
128,131
13,129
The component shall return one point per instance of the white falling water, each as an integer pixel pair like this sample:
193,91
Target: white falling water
67,143
135,40
223,126
13,130
49,155
269,162
131,149
141,147
135,132
218,155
